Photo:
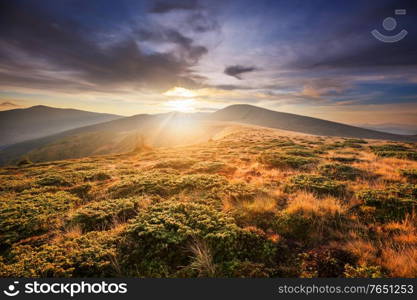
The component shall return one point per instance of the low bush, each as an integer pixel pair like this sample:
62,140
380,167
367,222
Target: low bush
14,185
340,171
82,191
298,152
175,164
87,256
390,204
102,214
155,183
25,216
389,147
344,159
394,150
156,239
277,160
363,271
213,167
99,176
409,155
53,180
316,184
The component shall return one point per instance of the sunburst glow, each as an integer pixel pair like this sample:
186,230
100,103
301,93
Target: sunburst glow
180,92
183,105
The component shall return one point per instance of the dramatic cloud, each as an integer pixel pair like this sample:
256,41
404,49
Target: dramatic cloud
97,54
236,71
61,54
161,7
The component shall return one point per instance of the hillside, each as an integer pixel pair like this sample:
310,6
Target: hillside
118,136
259,116
171,129
18,125
251,202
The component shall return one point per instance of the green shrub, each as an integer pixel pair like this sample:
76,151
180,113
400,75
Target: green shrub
157,238
340,172
389,147
356,141
309,227
343,159
213,167
87,256
394,150
175,164
165,184
410,155
102,214
265,220
277,160
304,153
53,180
28,215
390,204
99,176
363,271
14,184
245,269
81,191
316,184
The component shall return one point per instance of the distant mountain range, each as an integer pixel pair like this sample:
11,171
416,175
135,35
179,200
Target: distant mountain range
405,129
115,134
18,125
250,114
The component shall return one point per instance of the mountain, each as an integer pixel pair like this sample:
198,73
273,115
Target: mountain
249,114
117,136
18,125
406,129
173,129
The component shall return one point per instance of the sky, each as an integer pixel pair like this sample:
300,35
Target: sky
314,58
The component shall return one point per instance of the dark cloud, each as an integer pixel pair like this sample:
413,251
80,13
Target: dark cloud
231,87
189,50
61,54
236,71
350,45
161,7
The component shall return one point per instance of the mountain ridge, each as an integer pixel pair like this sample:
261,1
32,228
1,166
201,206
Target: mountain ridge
166,129
21,124
255,115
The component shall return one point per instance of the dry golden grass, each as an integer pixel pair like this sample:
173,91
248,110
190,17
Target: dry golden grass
202,259
308,204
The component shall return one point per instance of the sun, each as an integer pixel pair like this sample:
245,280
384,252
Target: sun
180,99
183,105
180,92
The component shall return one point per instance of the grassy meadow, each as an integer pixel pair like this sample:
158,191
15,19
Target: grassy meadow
250,202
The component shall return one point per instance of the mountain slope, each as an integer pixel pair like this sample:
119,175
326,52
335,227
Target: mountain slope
18,125
172,129
117,136
259,116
